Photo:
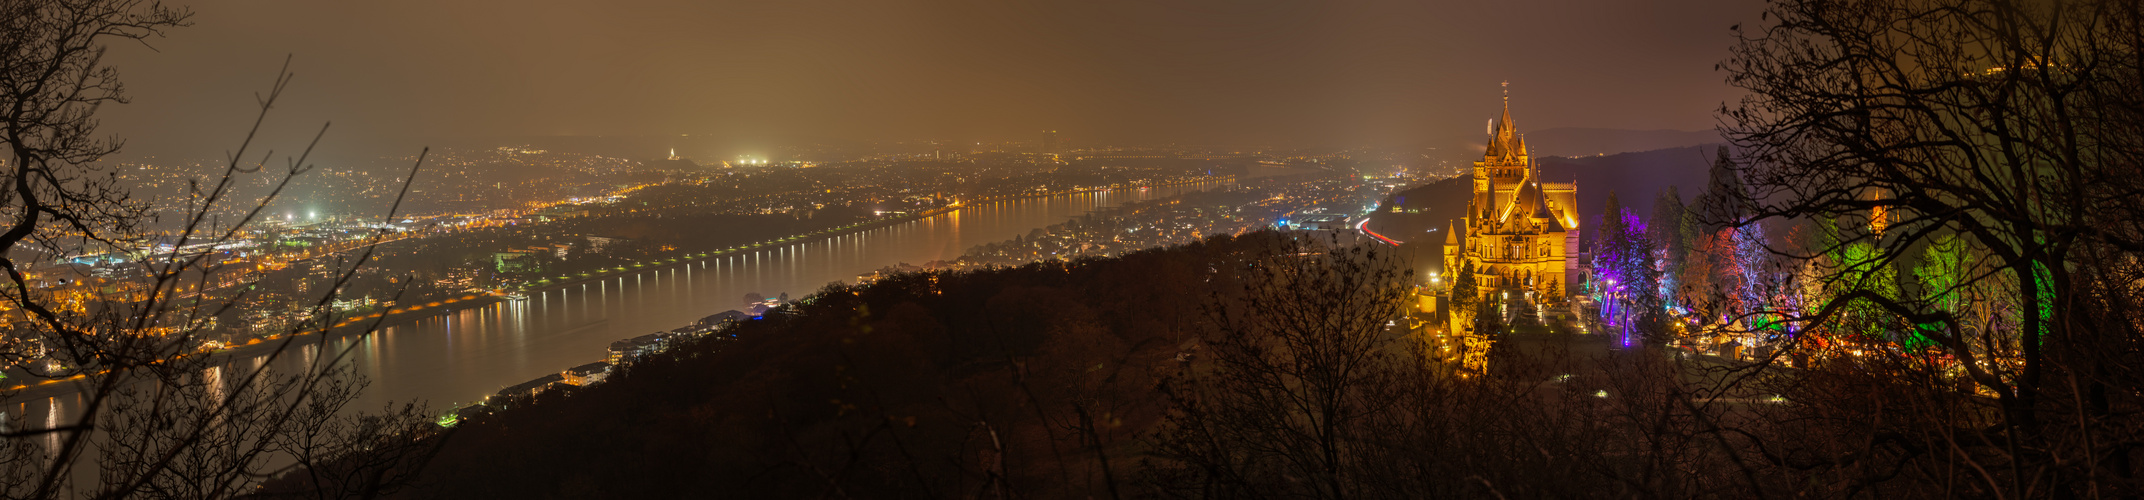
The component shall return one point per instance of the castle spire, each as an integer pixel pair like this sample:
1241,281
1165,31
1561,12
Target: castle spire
1505,124
1532,171
1489,210
1504,141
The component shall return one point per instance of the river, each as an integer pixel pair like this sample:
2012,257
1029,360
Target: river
463,355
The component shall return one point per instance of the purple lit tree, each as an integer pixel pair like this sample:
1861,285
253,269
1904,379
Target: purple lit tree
1625,276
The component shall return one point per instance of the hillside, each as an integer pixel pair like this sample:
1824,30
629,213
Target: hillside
1266,366
1091,379
858,383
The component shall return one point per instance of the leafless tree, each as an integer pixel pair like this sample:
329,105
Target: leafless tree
159,417
1301,359
2005,132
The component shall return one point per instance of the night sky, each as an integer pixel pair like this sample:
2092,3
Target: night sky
399,74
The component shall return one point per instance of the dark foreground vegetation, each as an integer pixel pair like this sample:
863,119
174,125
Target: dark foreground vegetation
1258,366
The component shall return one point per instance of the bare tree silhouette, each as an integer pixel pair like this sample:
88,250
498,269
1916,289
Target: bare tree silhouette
1989,151
159,417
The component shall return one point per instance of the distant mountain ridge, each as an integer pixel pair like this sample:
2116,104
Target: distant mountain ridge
1635,178
1578,142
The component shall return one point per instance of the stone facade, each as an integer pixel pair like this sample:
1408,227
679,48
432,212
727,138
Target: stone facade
1520,232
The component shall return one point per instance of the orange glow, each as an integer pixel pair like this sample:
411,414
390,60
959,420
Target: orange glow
1877,221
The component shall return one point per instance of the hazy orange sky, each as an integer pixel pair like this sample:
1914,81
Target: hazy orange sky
394,73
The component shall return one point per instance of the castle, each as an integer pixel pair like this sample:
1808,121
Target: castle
1520,232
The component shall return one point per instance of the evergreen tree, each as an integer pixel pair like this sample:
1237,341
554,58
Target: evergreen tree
1716,263
1721,205
1463,288
1608,244
1624,266
1667,234
1638,264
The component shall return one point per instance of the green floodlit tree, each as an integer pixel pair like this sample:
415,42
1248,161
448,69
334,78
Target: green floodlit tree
153,418
1997,142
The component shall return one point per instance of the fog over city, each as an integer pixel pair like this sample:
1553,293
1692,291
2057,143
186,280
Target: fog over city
740,76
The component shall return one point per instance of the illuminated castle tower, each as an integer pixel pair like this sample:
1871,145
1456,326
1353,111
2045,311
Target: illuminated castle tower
1520,232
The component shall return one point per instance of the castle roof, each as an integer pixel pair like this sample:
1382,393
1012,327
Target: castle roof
1541,206
1551,223
1523,200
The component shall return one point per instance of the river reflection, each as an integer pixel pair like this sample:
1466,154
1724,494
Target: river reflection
466,354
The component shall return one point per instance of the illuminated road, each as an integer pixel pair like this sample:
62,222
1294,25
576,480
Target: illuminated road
1364,226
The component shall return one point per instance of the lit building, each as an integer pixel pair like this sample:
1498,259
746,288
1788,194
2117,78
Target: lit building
625,351
1049,142
585,375
1520,233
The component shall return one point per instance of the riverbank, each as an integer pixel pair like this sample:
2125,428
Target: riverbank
564,280
413,312
443,306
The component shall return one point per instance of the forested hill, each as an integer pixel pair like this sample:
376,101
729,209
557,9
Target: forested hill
1578,142
919,383
1635,178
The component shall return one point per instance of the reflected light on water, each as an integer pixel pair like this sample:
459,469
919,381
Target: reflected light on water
474,352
